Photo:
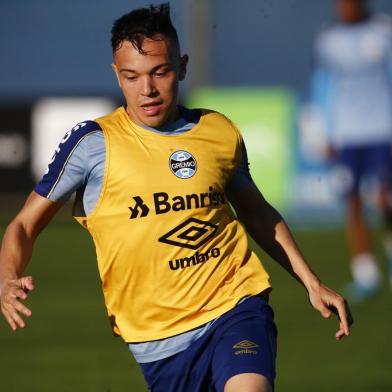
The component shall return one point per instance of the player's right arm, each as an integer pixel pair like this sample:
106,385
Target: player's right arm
16,250
73,162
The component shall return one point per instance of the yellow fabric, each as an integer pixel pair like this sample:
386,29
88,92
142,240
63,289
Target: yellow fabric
157,280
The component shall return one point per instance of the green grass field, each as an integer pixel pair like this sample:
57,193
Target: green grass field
68,346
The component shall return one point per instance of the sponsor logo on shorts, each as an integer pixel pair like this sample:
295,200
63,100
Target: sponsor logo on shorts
182,164
245,347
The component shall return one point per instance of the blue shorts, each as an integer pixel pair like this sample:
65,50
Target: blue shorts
242,340
358,163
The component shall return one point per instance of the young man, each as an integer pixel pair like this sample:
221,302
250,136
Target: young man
154,181
352,86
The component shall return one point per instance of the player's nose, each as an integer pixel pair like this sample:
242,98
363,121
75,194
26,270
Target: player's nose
148,87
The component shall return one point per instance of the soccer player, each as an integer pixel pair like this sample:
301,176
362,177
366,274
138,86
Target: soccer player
154,181
352,87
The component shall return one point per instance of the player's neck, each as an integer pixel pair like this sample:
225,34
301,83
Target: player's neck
185,120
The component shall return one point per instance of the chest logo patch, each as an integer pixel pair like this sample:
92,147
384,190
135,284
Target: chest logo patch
182,164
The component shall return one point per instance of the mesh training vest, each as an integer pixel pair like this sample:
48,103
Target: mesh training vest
171,254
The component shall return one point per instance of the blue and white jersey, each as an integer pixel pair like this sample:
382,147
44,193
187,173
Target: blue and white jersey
352,83
78,165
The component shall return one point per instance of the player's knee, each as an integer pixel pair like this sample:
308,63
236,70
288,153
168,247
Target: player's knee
248,382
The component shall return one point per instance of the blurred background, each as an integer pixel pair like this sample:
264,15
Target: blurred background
251,60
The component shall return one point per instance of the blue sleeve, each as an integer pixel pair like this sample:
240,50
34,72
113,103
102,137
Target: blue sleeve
390,70
67,170
321,74
241,178
322,85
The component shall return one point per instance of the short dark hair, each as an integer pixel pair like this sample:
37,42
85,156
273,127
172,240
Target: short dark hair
144,23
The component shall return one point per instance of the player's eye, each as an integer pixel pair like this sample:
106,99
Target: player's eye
159,74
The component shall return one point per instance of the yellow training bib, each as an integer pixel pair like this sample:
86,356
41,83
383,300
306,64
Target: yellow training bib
171,254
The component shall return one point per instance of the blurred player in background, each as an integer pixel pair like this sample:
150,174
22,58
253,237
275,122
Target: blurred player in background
352,88
154,181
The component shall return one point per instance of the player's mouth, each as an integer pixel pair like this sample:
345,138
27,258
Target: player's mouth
152,108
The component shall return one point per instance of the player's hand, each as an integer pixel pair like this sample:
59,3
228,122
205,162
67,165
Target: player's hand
327,302
12,293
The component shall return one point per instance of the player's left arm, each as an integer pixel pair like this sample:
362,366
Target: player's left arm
271,233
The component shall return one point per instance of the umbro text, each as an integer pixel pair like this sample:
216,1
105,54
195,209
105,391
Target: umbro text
197,258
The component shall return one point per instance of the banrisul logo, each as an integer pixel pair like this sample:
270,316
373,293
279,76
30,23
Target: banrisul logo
164,203
182,164
139,208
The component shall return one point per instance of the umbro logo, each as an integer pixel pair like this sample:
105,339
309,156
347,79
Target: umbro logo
245,347
191,234
245,344
139,207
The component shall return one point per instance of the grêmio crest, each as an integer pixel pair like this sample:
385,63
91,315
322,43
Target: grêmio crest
182,164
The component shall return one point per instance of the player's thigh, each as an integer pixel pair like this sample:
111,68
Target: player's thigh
348,171
379,167
248,382
378,159
247,347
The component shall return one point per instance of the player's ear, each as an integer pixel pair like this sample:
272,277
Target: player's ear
183,64
115,70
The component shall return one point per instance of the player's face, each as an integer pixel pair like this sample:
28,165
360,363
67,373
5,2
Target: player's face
149,80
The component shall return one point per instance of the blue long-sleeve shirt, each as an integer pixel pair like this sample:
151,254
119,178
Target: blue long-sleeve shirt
352,82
